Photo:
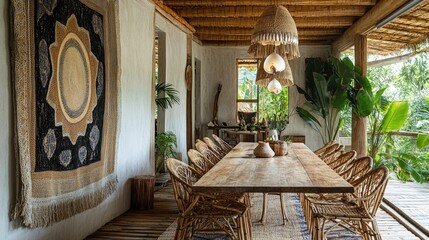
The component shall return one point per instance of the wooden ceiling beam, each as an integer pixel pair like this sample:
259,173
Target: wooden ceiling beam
173,17
204,37
250,22
367,23
248,31
212,3
247,43
256,11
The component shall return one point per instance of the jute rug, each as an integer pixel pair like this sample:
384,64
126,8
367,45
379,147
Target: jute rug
295,228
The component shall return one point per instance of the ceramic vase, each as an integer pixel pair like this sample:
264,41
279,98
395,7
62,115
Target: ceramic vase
280,148
263,150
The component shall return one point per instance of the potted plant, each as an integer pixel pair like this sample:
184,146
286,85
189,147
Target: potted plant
165,143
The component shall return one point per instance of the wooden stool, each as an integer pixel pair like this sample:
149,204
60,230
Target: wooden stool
142,192
265,205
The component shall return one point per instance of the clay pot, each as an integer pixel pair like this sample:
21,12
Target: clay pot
263,150
280,148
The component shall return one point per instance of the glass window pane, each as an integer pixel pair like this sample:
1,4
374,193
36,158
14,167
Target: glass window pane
247,88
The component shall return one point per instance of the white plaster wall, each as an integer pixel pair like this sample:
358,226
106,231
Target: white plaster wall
133,153
175,117
220,67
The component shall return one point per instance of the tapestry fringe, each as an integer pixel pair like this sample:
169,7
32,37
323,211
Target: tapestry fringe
42,215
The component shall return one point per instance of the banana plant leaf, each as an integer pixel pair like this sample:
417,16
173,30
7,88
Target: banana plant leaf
303,92
422,140
322,92
395,117
365,103
308,117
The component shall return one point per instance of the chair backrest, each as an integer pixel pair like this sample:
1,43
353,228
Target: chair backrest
207,152
369,189
200,165
224,145
214,147
182,179
321,150
342,161
332,156
330,149
356,169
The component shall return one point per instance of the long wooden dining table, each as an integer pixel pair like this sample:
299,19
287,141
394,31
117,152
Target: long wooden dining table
300,171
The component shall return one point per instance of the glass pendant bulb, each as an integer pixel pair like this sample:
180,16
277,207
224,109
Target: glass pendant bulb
274,86
274,63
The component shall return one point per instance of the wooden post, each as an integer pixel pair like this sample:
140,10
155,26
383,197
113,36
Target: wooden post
359,125
142,192
188,76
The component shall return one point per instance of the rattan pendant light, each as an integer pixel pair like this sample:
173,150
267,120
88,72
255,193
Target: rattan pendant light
284,77
275,31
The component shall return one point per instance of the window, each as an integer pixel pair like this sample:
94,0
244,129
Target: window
256,101
247,90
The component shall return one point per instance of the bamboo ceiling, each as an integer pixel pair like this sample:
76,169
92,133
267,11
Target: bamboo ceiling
230,22
407,31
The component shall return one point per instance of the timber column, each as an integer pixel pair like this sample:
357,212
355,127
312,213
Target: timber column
359,124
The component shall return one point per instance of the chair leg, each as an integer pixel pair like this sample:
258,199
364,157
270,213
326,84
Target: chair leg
282,204
264,209
181,230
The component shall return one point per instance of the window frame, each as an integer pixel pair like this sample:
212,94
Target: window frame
237,101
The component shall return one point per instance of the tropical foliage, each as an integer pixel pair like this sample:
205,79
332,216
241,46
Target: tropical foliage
385,118
165,143
274,108
166,95
406,156
329,91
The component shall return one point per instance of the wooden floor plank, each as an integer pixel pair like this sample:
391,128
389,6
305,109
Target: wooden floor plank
134,225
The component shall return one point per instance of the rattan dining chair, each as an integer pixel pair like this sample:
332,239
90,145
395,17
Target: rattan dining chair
330,149
205,212
321,150
341,161
357,213
214,147
332,155
224,145
199,164
354,170
207,152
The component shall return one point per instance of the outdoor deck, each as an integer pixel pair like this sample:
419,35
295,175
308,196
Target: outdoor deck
412,198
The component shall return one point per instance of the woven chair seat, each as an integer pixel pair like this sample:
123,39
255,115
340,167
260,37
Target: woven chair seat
219,208
330,211
329,198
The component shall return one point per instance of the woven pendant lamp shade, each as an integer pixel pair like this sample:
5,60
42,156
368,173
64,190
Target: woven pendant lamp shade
275,30
284,77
